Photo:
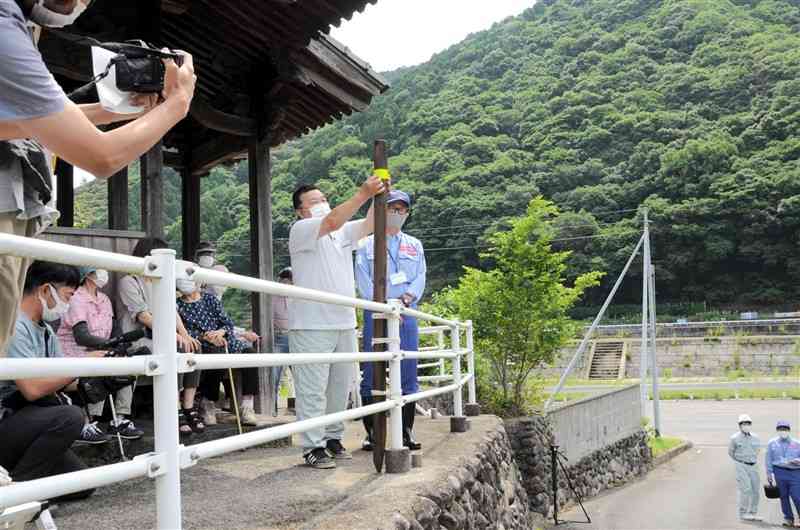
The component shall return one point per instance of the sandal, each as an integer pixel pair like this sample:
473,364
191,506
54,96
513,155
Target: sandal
184,427
194,420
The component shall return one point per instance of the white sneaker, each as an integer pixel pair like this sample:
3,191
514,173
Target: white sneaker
209,412
249,417
754,517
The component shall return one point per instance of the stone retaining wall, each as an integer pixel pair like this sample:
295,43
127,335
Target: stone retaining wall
483,491
610,466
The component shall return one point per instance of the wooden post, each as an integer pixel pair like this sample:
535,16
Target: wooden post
118,200
190,212
262,259
379,295
65,198
152,165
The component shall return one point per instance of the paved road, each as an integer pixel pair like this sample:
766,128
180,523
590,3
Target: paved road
691,386
696,490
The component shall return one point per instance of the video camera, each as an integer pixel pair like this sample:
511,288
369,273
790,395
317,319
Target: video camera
96,389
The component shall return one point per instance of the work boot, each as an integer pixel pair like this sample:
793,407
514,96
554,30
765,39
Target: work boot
409,413
369,441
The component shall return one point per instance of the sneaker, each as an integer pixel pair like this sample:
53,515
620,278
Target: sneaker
249,417
319,459
366,445
337,450
126,429
788,523
209,412
92,435
754,517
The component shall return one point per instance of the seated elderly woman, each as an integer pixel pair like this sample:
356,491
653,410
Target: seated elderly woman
88,324
205,320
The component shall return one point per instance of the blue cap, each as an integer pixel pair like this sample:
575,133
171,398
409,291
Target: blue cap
397,195
86,271
783,424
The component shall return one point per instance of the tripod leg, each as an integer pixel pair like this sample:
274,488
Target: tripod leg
116,424
574,491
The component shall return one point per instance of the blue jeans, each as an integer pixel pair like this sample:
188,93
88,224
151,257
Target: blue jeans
409,341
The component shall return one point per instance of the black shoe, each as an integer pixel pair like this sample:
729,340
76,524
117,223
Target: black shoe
337,450
92,435
368,442
127,430
319,459
409,413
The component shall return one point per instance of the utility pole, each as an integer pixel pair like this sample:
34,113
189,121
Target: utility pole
651,292
645,325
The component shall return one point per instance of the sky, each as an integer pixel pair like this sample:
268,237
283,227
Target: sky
395,33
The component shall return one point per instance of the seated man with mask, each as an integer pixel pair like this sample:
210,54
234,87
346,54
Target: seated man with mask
39,424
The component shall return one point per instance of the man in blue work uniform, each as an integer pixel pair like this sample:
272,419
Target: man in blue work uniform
743,450
783,467
405,282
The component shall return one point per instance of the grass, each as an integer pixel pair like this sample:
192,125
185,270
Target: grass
563,397
731,393
661,445
727,378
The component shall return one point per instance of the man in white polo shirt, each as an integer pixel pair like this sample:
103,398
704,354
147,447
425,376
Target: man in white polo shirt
321,244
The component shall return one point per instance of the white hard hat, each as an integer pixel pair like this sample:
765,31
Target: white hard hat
744,417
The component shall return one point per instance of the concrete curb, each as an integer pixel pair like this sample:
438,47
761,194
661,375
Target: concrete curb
672,453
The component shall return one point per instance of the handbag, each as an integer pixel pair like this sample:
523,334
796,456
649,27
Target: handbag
771,491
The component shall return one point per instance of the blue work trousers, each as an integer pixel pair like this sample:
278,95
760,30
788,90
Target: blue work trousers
788,481
409,341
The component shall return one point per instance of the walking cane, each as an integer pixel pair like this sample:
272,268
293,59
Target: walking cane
233,391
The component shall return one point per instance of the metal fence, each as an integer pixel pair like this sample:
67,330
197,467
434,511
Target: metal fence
166,463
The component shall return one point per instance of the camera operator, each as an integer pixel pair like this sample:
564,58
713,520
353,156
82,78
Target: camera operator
37,120
38,423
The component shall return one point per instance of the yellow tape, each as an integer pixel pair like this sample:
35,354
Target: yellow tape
382,174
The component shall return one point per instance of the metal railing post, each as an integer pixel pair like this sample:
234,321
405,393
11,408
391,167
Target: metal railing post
440,339
455,338
472,408
395,376
161,267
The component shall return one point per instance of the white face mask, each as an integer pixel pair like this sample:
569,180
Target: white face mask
219,290
745,428
320,210
186,286
206,261
101,278
783,434
48,18
395,220
50,314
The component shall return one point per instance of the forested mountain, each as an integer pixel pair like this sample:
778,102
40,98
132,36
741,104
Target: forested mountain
690,107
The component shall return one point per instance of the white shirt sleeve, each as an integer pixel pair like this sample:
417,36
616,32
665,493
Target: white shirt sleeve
304,234
353,231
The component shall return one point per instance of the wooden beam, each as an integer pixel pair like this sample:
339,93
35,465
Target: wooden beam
65,198
309,77
213,152
152,165
175,7
261,257
190,213
216,120
118,200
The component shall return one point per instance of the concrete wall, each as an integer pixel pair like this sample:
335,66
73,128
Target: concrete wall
701,356
588,425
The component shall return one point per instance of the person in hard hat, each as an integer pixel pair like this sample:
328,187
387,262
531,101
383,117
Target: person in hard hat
743,449
783,467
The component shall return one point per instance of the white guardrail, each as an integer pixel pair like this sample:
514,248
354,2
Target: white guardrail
164,465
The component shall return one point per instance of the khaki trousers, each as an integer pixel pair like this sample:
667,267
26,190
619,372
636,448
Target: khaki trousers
12,277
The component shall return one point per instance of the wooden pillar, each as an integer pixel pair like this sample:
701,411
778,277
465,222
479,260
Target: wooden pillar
261,258
65,198
118,200
190,212
152,165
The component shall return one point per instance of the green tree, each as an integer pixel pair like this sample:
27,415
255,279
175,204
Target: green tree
519,307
